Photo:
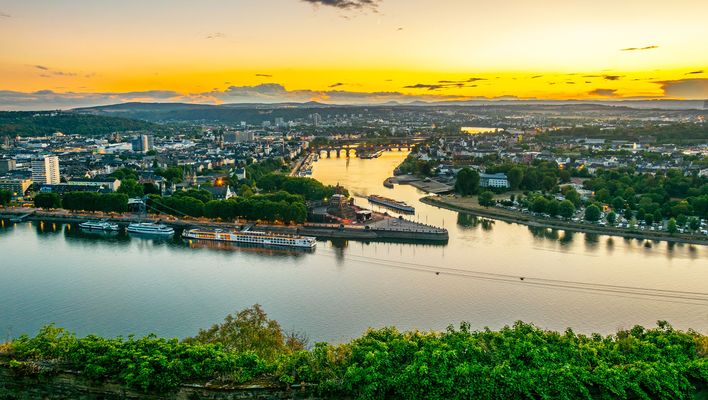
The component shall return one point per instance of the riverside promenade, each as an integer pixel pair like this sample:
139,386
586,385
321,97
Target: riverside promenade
466,206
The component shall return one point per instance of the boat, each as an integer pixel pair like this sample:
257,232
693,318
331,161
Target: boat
149,228
391,203
252,237
387,183
101,225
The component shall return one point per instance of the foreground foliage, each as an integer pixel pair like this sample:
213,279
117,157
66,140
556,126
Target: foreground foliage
520,361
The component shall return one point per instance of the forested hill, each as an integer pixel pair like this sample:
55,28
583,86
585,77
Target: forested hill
13,123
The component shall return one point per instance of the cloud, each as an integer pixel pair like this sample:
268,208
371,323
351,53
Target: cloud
612,77
640,48
445,84
694,72
49,71
603,92
334,85
347,4
685,88
263,76
216,35
537,76
5,15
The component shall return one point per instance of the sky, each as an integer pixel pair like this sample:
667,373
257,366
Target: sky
68,53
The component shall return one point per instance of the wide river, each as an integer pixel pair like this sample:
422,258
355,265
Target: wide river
121,285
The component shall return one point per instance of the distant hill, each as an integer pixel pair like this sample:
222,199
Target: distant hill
30,123
255,113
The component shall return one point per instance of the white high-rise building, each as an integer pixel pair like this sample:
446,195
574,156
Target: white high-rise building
45,170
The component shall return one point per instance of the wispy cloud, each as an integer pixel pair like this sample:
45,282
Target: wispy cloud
695,72
611,77
264,75
334,85
216,35
5,15
347,4
49,72
640,48
446,84
603,92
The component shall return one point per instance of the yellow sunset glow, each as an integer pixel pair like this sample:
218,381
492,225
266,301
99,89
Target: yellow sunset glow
430,50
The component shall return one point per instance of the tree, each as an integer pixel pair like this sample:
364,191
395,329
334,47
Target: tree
249,330
566,209
592,213
681,220
612,218
467,182
5,197
649,218
486,199
658,217
618,203
694,223
47,200
671,226
552,207
132,188
573,195
515,176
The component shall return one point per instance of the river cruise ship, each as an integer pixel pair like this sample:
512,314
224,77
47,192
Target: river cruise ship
391,203
102,225
252,237
149,228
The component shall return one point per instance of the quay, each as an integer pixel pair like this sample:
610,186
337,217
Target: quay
386,229
429,185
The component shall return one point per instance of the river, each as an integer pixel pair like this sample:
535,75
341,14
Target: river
121,285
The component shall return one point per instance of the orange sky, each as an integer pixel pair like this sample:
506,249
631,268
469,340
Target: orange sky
196,51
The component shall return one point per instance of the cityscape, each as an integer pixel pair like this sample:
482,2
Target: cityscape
413,216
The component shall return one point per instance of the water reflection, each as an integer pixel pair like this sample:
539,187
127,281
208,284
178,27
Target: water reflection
265,251
472,221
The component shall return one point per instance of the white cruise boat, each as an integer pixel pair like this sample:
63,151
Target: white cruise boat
149,228
252,237
102,225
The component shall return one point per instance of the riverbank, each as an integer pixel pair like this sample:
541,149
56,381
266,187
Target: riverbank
388,230
469,205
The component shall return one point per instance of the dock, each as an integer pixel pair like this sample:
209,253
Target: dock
430,185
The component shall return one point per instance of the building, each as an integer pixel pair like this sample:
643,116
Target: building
237,137
45,170
494,181
240,173
111,184
143,143
17,186
7,165
219,192
316,119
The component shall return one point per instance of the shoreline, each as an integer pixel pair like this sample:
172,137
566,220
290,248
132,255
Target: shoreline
320,231
529,220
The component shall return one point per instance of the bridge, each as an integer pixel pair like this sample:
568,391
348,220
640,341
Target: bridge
366,148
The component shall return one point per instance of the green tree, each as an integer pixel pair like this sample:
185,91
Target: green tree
566,209
694,223
612,218
671,227
47,200
592,213
572,195
467,182
515,176
5,197
132,188
486,199
618,203
248,330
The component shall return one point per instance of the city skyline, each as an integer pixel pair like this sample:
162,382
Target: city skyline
76,53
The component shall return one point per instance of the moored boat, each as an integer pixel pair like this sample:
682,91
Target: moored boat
102,225
149,228
252,237
391,203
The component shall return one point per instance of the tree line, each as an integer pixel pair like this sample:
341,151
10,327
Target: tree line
83,201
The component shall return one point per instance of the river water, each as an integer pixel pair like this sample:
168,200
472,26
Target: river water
118,285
